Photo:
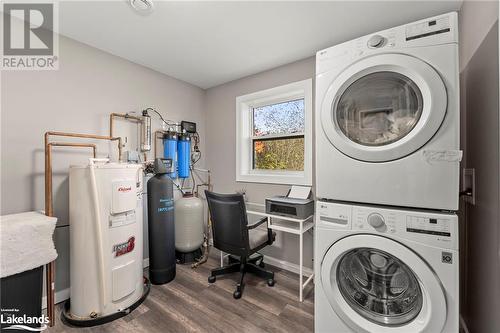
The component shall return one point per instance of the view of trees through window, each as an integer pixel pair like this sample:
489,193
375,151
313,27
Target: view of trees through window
278,142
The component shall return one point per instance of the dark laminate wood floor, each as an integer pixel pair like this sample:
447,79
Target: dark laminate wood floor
191,304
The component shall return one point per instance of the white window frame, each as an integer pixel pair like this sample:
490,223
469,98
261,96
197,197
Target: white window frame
244,134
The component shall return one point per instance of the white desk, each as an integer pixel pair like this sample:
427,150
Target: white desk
290,225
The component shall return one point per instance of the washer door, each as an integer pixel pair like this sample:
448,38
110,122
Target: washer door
384,107
375,284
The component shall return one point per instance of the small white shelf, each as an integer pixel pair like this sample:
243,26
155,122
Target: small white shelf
290,225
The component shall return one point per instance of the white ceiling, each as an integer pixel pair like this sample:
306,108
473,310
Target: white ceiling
210,43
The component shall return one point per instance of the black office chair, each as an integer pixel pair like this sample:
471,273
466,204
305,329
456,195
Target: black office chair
233,235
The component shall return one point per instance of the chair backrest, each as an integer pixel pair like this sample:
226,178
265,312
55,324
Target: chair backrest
229,222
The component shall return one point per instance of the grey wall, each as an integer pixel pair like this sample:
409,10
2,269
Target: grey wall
480,142
78,97
221,145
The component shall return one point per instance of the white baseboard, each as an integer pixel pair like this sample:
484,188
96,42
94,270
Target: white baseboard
283,264
60,296
287,266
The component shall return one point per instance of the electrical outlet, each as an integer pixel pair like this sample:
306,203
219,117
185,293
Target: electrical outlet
469,184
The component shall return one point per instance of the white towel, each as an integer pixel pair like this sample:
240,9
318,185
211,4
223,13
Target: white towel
26,242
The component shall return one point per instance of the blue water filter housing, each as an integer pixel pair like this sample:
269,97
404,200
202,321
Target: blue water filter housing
183,155
170,151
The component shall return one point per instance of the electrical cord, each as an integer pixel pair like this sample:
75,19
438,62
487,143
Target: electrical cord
199,158
196,139
196,149
179,187
192,177
161,117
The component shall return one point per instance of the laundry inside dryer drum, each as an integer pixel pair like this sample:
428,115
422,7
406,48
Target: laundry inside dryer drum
379,108
379,287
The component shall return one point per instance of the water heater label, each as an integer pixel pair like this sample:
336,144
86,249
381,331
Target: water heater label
124,197
165,205
124,189
125,247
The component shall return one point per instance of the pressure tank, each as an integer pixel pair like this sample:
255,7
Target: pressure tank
183,155
170,151
161,228
188,224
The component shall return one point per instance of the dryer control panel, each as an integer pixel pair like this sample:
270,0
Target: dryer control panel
438,30
435,228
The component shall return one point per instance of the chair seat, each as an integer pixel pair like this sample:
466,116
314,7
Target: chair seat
257,237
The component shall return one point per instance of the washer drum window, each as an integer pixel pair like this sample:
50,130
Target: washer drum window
379,287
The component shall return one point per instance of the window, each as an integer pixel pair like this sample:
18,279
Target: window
274,139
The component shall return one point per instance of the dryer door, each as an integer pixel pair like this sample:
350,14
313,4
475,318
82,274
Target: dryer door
375,284
384,107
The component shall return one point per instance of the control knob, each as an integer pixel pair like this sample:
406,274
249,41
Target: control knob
376,41
376,220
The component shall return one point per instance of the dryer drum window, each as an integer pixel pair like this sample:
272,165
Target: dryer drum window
379,286
379,108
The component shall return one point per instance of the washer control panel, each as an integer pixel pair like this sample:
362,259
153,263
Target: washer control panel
428,225
376,220
433,228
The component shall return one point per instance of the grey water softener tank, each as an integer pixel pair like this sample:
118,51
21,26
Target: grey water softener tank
161,223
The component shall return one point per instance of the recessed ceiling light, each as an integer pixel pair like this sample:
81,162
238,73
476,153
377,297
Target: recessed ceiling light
143,7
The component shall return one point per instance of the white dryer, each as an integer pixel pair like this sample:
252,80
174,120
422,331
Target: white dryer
387,117
384,270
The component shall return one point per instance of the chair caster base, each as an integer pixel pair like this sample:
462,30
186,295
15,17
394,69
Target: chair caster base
211,279
237,294
270,282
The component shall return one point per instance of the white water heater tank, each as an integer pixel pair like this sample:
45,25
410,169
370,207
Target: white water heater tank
106,236
188,212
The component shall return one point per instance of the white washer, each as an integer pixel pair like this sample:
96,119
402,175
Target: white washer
385,270
387,117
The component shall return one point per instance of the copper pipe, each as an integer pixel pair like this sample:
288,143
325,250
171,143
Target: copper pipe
156,141
120,115
49,209
51,267
87,136
50,277
69,144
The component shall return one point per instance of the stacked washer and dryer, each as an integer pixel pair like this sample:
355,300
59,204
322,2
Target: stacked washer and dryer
387,177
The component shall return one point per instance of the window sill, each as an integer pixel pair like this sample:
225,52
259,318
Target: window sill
282,178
